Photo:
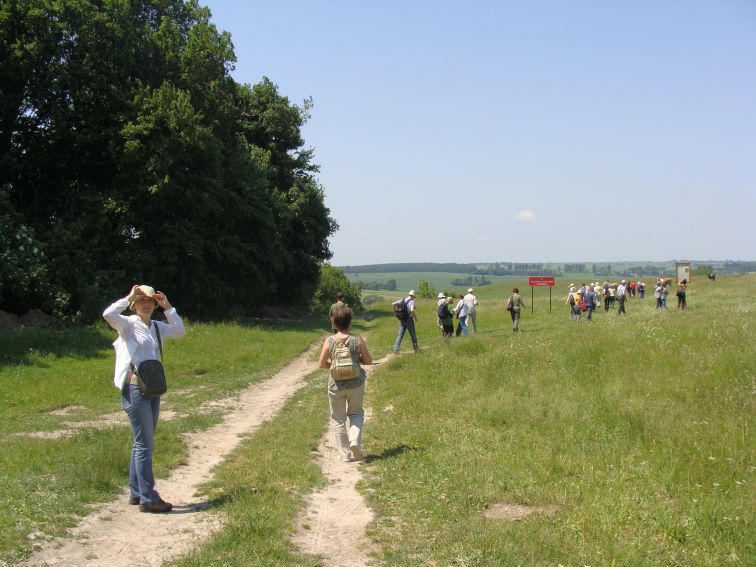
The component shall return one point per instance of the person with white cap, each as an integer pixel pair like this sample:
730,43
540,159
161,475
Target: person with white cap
441,302
446,317
405,312
472,306
621,297
573,300
140,339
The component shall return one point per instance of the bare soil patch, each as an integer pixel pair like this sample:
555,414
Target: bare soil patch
517,512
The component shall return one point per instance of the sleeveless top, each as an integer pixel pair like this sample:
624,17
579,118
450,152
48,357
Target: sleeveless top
351,342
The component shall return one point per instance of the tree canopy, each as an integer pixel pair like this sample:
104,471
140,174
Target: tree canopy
128,154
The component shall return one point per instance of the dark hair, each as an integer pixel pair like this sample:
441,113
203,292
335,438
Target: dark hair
342,318
515,290
339,295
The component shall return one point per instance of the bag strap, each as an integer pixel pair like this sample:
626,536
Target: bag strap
160,342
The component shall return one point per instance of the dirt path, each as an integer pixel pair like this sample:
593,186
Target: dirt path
106,537
334,521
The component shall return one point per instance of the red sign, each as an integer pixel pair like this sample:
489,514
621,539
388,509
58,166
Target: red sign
541,281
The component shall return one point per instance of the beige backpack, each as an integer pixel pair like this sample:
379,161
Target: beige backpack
343,366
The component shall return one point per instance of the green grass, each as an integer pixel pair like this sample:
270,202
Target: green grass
46,482
262,485
637,429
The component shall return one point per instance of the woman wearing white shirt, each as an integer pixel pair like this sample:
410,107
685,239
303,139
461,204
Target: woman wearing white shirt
136,343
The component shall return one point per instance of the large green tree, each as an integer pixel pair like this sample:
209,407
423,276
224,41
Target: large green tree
131,154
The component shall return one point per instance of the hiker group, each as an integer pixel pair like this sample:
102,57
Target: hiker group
465,311
589,297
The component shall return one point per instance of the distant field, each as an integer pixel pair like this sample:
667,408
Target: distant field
410,280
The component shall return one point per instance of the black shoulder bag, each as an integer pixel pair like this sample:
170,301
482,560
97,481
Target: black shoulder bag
151,375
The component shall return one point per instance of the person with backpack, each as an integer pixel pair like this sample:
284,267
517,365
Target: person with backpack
441,301
404,309
573,300
641,287
344,353
446,317
514,306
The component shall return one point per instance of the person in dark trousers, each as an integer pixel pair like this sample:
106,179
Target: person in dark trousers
407,322
590,302
621,297
681,302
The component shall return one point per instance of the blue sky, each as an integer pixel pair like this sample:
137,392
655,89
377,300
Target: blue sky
531,131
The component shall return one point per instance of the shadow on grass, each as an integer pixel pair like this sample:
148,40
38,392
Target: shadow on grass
390,453
18,347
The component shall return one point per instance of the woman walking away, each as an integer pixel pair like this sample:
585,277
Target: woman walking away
346,383
681,303
515,304
140,339
446,317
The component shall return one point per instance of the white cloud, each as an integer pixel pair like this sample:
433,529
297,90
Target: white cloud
525,215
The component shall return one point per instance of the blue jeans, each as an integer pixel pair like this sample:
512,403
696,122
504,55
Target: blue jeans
405,325
462,326
143,414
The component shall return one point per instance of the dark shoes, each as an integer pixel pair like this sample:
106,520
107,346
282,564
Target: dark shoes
158,507
134,500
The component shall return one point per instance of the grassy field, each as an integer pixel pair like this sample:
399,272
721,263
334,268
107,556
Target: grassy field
630,437
46,481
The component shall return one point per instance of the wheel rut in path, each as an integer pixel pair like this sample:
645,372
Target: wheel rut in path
334,520
118,534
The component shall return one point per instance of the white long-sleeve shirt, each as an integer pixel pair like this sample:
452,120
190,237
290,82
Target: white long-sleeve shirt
461,309
136,341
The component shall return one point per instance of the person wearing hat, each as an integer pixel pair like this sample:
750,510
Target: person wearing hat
472,305
441,301
573,300
140,339
447,320
621,297
406,321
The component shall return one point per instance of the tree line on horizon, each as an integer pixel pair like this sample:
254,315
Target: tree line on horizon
553,269
128,154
